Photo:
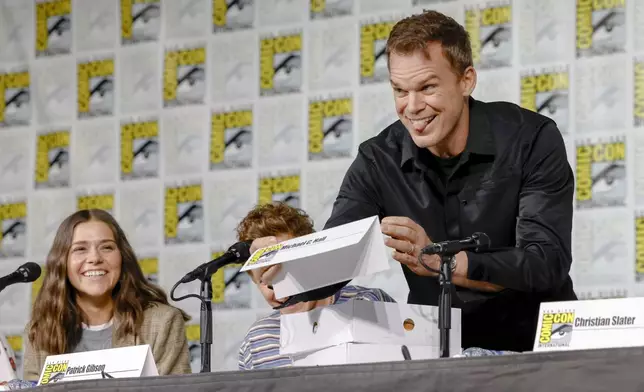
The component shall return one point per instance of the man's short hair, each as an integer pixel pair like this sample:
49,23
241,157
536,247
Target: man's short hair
274,219
413,33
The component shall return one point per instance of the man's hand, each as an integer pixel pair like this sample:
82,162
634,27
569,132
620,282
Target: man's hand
264,275
408,239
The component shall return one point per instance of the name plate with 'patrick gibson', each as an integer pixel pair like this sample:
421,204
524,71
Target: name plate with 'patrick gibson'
133,361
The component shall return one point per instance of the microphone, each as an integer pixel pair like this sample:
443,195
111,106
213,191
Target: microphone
28,272
236,253
478,242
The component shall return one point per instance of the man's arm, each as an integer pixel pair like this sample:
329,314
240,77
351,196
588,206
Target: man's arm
359,194
541,259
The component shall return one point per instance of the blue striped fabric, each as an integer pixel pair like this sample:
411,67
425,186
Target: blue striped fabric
261,346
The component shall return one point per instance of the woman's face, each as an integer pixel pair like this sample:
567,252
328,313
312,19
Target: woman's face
94,261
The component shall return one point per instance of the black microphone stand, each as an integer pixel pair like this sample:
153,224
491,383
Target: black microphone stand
205,321
447,250
205,314
445,303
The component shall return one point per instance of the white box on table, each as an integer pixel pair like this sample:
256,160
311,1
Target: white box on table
362,331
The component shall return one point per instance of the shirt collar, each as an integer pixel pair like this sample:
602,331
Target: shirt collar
479,140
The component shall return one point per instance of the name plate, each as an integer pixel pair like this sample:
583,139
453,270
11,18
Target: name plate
601,323
133,361
7,361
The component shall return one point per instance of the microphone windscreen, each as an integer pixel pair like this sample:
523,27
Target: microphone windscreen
242,249
30,271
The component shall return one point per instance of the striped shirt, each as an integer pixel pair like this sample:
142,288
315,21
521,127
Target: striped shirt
261,346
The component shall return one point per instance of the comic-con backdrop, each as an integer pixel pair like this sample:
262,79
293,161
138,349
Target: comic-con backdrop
179,115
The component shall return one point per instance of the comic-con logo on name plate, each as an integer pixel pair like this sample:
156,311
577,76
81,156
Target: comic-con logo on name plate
601,27
184,215
323,9
280,188
638,92
601,174
232,15
52,160
264,255
53,27
139,149
490,30
99,201
556,329
140,21
330,128
15,98
639,247
280,63
373,56
54,372
231,139
547,92
13,229
184,77
95,88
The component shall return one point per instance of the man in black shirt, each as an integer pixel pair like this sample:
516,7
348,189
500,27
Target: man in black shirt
452,166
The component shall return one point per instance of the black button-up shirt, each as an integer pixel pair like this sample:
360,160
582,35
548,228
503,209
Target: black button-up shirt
512,182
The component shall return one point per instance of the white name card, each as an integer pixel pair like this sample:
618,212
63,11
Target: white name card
7,361
592,324
324,258
133,361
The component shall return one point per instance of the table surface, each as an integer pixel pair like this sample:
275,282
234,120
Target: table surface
620,369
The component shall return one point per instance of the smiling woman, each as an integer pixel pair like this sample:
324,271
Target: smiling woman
95,296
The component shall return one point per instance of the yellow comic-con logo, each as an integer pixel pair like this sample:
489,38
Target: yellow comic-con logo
284,189
140,21
556,329
184,221
638,93
330,128
547,92
184,77
54,372
53,27
231,139
15,102
280,64
13,229
96,88
601,174
52,159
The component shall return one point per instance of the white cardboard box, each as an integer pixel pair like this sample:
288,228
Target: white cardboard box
363,331
347,353
324,258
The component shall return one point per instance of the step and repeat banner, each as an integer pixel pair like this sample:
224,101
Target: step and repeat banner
178,116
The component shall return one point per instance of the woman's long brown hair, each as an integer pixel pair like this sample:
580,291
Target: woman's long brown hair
55,326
